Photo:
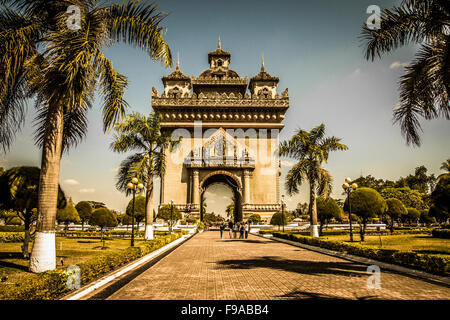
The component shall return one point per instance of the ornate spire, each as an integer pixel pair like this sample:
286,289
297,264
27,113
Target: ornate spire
263,68
219,45
178,62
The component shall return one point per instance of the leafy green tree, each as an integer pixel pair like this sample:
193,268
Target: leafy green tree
420,181
278,219
97,205
425,86
170,214
425,218
124,220
366,203
230,210
42,58
374,183
410,198
19,194
211,218
139,210
67,215
84,209
103,218
395,210
327,209
311,149
445,166
142,135
254,218
441,199
412,216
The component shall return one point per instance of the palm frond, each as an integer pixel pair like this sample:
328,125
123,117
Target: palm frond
138,24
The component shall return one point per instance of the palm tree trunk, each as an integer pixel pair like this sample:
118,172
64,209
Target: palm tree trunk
313,207
149,209
43,254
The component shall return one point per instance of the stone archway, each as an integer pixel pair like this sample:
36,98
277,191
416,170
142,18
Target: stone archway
228,179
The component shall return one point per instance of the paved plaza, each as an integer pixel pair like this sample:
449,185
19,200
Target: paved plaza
208,268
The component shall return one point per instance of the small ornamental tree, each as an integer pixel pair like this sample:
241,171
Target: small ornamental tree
170,214
413,215
124,220
67,215
254,218
366,203
103,218
139,210
278,219
395,210
441,199
327,209
84,209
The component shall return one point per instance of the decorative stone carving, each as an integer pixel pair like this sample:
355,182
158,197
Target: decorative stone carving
154,92
285,93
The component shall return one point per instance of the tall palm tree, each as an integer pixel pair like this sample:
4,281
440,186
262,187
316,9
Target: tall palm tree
311,150
42,58
143,135
425,87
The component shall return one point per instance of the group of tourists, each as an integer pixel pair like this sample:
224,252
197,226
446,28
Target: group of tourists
235,228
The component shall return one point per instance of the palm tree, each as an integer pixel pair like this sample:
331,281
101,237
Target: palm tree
311,150
144,135
425,87
41,58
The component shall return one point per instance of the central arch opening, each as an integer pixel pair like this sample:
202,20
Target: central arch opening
214,182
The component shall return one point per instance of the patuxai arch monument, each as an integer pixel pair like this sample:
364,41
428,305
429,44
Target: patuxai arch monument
228,135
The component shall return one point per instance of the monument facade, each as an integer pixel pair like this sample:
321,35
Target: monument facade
229,129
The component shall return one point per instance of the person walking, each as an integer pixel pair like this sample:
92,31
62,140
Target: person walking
241,231
230,226
235,229
246,227
221,227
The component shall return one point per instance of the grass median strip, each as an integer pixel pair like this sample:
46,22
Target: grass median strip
54,284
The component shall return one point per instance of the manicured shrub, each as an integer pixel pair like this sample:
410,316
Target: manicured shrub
441,233
11,237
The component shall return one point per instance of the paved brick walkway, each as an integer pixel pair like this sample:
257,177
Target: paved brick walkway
208,268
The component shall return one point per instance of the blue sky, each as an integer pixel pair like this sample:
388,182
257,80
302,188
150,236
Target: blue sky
312,46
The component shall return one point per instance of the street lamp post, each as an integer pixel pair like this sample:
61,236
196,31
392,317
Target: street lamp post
134,186
282,211
171,215
348,189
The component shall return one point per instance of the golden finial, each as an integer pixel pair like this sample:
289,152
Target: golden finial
178,61
219,46
263,68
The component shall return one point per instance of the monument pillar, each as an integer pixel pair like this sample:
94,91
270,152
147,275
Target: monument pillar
246,186
195,187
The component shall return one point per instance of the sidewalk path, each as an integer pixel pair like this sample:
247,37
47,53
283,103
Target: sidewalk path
208,268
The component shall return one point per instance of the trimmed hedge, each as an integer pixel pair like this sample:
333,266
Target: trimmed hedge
441,233
53,284
427,262
12,228
11,237
355,231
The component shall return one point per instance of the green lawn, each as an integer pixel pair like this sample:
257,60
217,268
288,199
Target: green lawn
71,250
420,243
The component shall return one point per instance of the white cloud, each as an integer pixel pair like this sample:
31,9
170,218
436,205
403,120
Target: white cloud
87,190
114,169
397,64
71,182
